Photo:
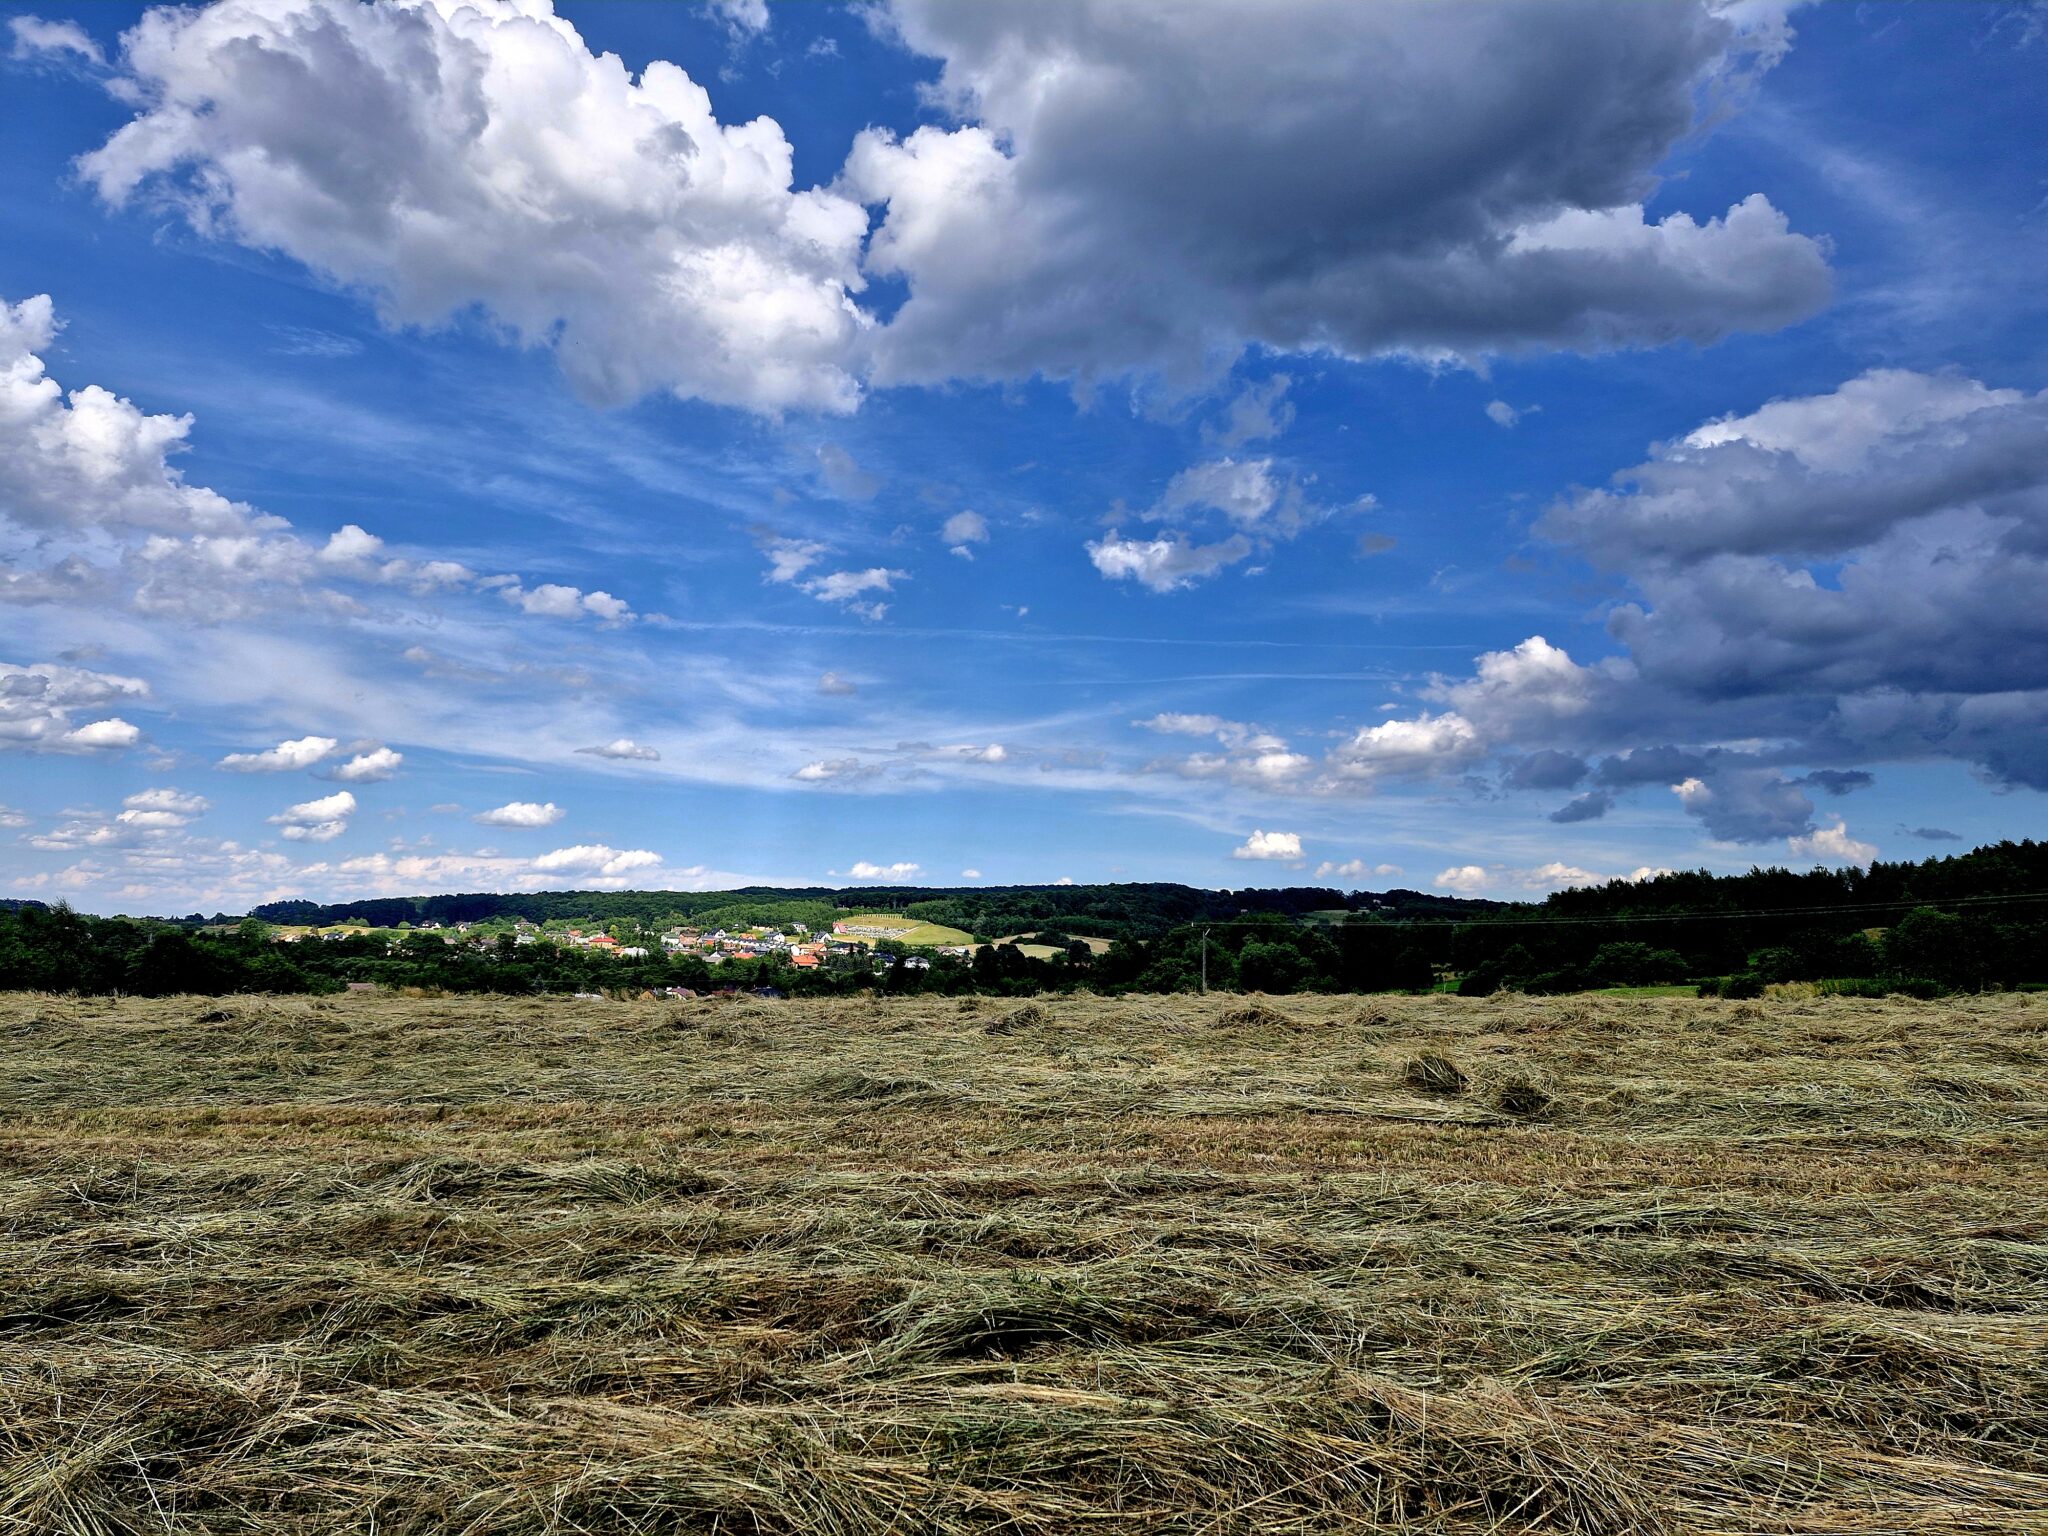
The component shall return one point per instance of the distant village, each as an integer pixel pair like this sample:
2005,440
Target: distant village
851,944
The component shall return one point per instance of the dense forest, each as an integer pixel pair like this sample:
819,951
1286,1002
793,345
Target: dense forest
1971,921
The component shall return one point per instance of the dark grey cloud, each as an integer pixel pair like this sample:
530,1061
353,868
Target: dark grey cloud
1855,575
1590,806
1932,834
1839,781
1747,805
1946,606
1547,769
1138,184
1650,765
1824,474
2005,732
1739,797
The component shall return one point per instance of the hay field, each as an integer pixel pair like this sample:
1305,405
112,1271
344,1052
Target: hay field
1153,1265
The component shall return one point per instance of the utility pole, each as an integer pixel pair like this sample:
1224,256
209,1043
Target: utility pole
1205,962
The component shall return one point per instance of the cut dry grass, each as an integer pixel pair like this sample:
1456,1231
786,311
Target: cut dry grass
1151,1265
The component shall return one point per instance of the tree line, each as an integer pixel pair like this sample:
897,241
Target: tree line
55,949
1966,922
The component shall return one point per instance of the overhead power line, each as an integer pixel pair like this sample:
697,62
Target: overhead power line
1846,909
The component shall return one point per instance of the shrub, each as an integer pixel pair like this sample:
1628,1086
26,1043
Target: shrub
1743,986
1265,967
1920,987
1882,986
1636,965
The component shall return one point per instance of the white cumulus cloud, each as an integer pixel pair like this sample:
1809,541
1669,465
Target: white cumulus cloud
1165,564
1269,845
521,813
595,860
481,156
1171,723
102,735
317,821
789,558
827,770
963,530
1831,845
1354,869
1243,490
285,757
91,458
158,809
1415,748
846,586
38,703
864,870
371,767
552,600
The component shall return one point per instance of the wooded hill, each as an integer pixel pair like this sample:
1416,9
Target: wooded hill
2013,873
1137,910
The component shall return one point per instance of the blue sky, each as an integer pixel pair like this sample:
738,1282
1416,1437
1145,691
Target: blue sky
1480,448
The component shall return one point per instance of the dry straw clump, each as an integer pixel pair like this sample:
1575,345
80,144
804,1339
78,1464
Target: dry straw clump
1519,1091
1430,1073
1030,1016
534,1268
1256,1016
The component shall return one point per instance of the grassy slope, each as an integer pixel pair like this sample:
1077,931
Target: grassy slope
903,931
1047,951
521,1267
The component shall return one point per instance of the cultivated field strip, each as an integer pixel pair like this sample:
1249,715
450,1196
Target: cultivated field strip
1153,1265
